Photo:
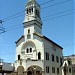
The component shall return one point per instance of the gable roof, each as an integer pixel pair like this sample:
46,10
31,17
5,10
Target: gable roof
19,39
41,37
47,39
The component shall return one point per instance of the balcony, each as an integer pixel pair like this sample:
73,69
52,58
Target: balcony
39,63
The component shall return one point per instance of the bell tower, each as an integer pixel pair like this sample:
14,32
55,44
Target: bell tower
32,21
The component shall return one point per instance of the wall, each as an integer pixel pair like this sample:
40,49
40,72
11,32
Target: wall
48,47
7,66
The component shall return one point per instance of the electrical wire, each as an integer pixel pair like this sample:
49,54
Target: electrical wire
44,20
13,15
56,4
15,27
58,16
59,13
23,11
46,2
46,17
41,8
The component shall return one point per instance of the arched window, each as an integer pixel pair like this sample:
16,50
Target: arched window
27,50
30,10
27,11
39,55
28,31
18,57
30,50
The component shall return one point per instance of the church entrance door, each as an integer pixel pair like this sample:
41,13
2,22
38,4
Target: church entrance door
34,70
20,70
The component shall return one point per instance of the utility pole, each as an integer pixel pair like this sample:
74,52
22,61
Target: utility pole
1,27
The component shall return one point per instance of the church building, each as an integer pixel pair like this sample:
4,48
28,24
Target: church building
35,53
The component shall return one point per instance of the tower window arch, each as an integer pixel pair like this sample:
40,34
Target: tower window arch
27,11
28,35
37,13
39,55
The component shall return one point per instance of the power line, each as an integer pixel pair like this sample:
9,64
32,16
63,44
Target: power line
45,16
41,8
48,16
56,4
46,2
24,11
13,15
15,27
58,16
59,13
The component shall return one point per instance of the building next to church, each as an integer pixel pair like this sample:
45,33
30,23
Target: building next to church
68,67
6,67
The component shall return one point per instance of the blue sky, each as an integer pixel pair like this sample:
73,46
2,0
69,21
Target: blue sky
58,25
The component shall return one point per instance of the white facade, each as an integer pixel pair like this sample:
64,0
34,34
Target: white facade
34,52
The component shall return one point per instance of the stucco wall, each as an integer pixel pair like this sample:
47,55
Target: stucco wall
48,47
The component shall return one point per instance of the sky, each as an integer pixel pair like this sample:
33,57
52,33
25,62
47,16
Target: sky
58,24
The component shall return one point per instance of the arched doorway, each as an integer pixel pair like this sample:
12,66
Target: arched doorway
34,70
20,70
